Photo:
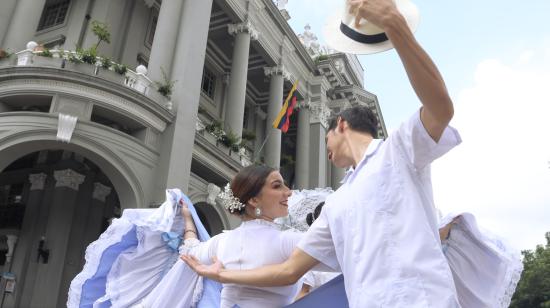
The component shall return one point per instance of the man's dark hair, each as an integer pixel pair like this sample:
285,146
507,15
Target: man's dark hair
310,218
359,118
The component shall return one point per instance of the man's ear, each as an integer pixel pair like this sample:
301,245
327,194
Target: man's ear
341,124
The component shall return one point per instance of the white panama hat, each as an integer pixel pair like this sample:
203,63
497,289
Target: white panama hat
342,35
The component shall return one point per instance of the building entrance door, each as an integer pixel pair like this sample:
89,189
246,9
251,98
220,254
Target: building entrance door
54,203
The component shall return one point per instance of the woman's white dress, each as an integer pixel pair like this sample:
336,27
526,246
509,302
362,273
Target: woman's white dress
485,269
253,244
137,253
133,263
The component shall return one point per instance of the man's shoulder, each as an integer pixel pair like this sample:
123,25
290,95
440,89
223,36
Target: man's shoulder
333,198
336,203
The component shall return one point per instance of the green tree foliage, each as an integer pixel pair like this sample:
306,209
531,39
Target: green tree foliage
533,289
101,31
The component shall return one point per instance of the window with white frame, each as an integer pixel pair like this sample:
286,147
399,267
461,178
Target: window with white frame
208,85
54,14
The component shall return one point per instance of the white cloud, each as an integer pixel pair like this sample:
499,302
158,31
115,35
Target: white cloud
526,56
501,171
313,12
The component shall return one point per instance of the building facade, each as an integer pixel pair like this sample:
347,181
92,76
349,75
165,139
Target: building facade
82,138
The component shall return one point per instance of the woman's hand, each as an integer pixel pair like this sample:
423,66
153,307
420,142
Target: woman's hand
211,271
185,209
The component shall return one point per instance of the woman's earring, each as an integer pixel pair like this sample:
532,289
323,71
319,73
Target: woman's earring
258,212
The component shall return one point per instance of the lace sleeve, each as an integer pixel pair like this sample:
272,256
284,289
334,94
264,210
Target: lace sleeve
204,251
188,245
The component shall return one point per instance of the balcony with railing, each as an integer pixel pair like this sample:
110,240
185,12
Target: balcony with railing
238,148
35,82
121,99
85,63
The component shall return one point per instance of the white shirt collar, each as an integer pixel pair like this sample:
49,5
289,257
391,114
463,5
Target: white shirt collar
371,149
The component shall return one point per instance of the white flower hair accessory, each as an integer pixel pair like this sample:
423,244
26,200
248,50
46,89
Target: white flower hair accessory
230,202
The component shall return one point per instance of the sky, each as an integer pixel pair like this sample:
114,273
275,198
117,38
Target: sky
495,59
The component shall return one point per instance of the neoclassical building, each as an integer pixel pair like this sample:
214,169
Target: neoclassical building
82,138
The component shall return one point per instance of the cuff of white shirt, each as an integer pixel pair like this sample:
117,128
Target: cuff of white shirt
450,137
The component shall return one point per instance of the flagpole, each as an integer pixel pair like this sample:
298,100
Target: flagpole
262,146
284,111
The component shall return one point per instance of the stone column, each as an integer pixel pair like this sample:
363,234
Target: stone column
117,15
225,101
24,22
336,176
6,12
272,148
179,137
302,147
79,226
121,43
48,280
318,170
164,44
95,214
40,193
237,80
28,238
259,131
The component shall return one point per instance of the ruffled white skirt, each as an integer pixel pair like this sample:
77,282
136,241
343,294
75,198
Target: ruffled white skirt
485,269
134,263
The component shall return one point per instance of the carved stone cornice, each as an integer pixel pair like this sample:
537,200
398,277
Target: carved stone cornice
305,104
101,192
68,178
37,181
320,114
213,190
281,4
277,70
243,27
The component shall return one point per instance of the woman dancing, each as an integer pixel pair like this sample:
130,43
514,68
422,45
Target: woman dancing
257,195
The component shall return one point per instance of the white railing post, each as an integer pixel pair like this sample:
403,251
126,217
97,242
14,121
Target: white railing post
24,57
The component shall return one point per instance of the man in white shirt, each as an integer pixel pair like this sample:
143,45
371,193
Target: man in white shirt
380,227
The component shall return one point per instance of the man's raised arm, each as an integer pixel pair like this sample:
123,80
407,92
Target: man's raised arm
424,76
281,274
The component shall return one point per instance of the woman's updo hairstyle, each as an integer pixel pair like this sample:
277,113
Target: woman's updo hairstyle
248,183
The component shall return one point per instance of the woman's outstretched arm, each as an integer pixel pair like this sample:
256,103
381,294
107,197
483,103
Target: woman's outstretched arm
282,274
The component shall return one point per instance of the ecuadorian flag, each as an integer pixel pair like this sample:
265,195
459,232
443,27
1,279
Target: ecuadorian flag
282,121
